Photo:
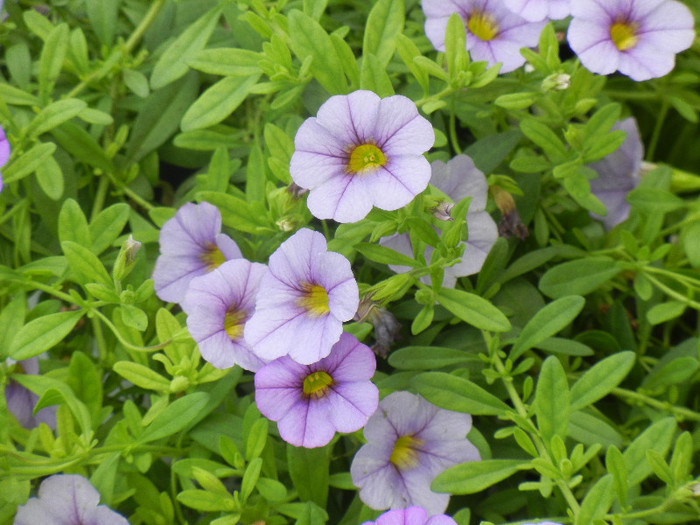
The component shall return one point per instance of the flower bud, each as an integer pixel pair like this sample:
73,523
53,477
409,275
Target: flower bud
126,258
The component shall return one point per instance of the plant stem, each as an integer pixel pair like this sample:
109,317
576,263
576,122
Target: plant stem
661,405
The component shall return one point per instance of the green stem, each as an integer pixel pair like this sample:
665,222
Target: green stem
672,293
100,196
453,132
126,343
657,130
655,403
144,25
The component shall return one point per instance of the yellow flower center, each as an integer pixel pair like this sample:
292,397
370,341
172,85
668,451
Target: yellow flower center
483,26
314,300
624,35
234,322
212,257
405,456
316,385
366,157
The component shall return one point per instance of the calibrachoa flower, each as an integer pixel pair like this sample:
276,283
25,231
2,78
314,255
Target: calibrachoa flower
618,174
304,298
638,38
4,144
191,244
409,442
458,179
312,402
411,516
67,499
218,305
21,401
534,10
494,33
362,151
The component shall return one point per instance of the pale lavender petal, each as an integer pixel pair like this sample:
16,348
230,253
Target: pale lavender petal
343,199
34,512
535,10
193,226
351,118
436,8
395,184
352,404
407,413
70,496
312,338
291,262
313,137
440,519
381,485
332,271
435,30
417,484
349,361
312,169
227,246
20,403
460,178
399,242
105,516
4,148
409,516
400,130
483,234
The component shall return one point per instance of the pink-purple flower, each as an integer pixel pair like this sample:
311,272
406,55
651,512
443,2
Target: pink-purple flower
409,442
21,401
4,146
494,33
67,499
618,174
310,403
458,178
638,38
218,305
303,300
411,516
535,10
362,151
191,244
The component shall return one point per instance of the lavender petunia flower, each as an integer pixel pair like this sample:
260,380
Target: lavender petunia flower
4,145
494,33
312,402
458,179
543,523
618,174
362,151
21,401
638,38
535,10
218,305
304,298
67,499
191,244
409,442
411,516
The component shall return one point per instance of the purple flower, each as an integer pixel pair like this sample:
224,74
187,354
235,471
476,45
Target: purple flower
312,402
411,516
494,33
67,499
191,244
409,442
458,178
535,10
303,300
218,305
618,174
638,38
362,151
21,401
543,523
4,144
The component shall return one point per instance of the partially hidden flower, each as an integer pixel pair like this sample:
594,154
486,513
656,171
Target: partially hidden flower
411,516
218,305
21,401
409,442
618,174
191,244
535,10
543,523
362,151
67,499
310,403
4,144
494,33
458,178
303,300
638,38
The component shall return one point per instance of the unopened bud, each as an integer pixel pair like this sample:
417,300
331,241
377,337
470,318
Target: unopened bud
296,191
556,82
126,258
443,210
511,223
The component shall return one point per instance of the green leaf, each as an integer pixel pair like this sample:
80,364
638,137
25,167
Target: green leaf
658,437
86,382
256,175
675,372
384,24
54,392
601,121
172,64
142,376
206,501
108,225
103,16
578,277
136,82
597,501
50,177
649,200
600,379
237,213
455,46
663,312
615,464
250,478
11,320
54,115
52,54
134,317
408,51
458,394
315,8
176,417
81,145
257,437
474,310
308,468
43,333
85,264
72,224
552,400
374,77
218,102
384,255
225,61
591,430
27,163
547,322
308,38
475,476
17,97
544,137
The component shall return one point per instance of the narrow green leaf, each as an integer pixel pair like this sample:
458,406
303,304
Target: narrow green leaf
225,61
544,137
50,177
658,437
22,165
54,115
176,417
552,399
578,277
475,476
43,333
374,77
458,394
108,225
103,16
384,24
250,478
72,224
474,310
85,264
615,464
384,255
315,8
256,175
600,379
217,102
308,468
142,376
649,200
597,501
663,312
82,146
52,54
237,213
